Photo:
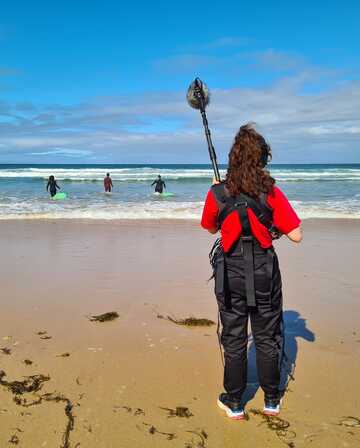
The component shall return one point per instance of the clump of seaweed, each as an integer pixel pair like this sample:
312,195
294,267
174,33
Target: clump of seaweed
29,384
14,440
277,424
189,321
179,411
21,401
153,430
27,362
106,317
33,384
5,350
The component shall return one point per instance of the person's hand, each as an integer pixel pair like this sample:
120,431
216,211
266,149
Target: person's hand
215,181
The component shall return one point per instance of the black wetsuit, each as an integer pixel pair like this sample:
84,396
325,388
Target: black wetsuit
159,185
52,186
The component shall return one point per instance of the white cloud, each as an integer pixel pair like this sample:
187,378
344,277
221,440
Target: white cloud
160,127
278,61
63,152
333,129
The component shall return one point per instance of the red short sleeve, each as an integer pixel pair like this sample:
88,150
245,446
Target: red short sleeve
284,216
210,212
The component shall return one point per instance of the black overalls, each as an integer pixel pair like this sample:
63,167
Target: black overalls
248,284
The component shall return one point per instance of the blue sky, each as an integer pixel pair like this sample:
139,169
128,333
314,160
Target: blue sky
90,81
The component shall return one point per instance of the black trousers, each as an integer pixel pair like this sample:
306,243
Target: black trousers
266,320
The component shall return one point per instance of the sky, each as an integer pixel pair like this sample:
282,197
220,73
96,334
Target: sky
105,81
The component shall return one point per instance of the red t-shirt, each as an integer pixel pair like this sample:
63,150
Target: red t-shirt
285,220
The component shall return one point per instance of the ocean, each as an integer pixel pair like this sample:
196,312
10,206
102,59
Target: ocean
316,191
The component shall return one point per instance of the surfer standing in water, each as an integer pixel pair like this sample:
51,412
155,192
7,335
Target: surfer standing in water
52,186
108,185
159,185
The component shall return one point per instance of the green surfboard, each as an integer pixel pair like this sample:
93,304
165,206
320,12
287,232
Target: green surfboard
59,196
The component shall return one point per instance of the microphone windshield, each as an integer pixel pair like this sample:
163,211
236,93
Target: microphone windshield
196,91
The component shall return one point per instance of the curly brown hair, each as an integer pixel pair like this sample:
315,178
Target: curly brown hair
247,160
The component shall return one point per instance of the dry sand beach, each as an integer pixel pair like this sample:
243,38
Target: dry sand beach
107,384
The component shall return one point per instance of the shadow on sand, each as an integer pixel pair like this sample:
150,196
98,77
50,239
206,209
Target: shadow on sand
294,327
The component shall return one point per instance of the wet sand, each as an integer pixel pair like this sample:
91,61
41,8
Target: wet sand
119,374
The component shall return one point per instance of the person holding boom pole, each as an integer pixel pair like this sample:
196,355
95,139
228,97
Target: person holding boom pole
250,211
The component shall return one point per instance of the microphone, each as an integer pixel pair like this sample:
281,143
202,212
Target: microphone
198,95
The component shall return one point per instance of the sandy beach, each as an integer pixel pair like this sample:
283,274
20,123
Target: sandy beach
119,383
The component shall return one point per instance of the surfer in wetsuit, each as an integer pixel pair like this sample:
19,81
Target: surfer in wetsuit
52,186
159,185
108,183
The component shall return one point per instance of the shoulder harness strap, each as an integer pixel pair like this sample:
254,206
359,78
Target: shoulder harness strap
260,208
228,204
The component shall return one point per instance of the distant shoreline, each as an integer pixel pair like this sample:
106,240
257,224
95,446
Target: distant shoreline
155,165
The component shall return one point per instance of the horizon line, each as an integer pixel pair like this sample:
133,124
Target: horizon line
166,164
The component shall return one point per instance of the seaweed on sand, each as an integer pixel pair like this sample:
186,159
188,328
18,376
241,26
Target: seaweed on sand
106,317
153,430
57,398
27,362
179,411
5,350
277,424
135,411
14,440
33,384
43,335
189,321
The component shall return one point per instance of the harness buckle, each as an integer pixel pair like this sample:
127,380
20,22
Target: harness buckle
247,237
237,204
